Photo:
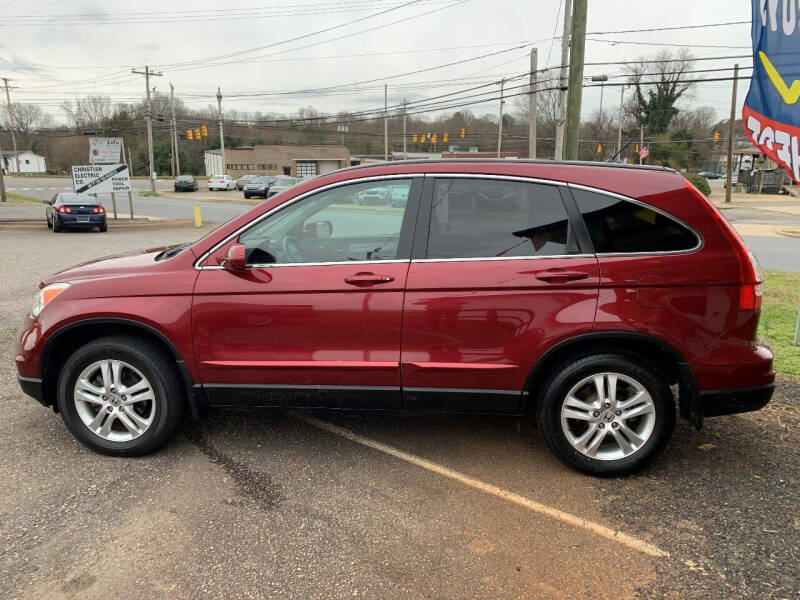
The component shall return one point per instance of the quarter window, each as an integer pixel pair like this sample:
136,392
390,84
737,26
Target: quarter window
619,226
477,218
356,222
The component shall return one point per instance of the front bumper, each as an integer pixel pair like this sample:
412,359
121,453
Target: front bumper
33,388
730,402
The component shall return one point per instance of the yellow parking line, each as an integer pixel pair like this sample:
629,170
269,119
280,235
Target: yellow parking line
543,509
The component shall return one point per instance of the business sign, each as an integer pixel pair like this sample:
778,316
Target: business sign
101,179
104,150
771,113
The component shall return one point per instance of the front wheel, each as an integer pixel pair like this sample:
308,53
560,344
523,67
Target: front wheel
606,414
120,396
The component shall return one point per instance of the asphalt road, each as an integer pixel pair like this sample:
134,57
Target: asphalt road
273,504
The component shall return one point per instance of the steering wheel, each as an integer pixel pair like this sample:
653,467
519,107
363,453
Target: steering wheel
292,249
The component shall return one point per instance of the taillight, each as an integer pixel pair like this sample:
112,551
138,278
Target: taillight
64,209
98,210
750,276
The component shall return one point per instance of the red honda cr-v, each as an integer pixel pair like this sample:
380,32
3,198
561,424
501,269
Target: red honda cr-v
580,293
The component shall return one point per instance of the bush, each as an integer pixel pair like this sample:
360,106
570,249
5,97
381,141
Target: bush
701,183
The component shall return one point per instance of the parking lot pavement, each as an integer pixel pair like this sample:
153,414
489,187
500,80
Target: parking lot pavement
279,504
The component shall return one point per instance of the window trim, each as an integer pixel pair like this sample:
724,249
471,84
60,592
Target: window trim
664,213
412,204
420,250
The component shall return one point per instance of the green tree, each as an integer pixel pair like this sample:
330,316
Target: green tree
659,82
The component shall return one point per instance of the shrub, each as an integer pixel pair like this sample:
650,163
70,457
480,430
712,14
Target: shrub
701,183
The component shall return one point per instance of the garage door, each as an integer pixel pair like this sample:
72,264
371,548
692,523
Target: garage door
306,168
326,166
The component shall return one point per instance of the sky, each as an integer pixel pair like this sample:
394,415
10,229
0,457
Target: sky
56,50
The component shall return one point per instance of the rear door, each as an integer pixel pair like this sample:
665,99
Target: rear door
500,276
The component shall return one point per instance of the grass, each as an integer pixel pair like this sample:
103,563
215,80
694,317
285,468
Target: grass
778,318
147,193
23,198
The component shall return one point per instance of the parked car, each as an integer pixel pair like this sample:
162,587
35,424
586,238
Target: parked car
398,195
281,184
244,180
221,182
258,186
372,197
579,293
75,211
709,175
185,183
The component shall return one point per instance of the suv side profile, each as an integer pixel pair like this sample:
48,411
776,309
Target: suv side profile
581,293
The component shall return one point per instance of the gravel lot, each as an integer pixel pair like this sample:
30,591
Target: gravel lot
266,505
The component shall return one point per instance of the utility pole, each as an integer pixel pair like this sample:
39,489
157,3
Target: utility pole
731,132
405,103
621,114
641,142
13,124
500,122
147,75
572,127
562,82
173,150
386,121
2,181
221,135
532,100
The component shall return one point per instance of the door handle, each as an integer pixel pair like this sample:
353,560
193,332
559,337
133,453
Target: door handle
561,276
367,279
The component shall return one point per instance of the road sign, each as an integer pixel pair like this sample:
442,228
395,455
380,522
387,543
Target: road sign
101,179
104,150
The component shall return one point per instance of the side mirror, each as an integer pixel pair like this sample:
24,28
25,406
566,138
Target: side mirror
46,201
318,229
234,260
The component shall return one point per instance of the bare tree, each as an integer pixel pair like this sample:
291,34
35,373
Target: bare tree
659,83
91,111
28,118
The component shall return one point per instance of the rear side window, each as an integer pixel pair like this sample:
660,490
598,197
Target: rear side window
618,226
483,218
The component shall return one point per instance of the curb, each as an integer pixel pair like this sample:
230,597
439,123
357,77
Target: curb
119,224
792,233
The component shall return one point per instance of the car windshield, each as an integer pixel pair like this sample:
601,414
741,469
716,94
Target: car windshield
285,181
261,179
76,199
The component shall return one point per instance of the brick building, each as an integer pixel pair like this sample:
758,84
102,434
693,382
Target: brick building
297,161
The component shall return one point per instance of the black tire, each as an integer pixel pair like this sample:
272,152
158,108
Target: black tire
49,224
154,364
103,228
570,373
247,196
56,226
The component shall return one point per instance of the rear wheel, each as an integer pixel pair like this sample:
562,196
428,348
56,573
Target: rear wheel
103,228
56,225
606,414
120,396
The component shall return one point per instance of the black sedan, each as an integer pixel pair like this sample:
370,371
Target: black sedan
79,211
185,183
258,186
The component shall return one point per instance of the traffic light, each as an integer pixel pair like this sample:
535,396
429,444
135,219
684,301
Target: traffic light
204,130
716,136
433,138
422,139
637,149
599,148
189,134
197,133
463,133
445,137
414,139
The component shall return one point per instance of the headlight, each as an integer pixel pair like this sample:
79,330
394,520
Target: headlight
45,295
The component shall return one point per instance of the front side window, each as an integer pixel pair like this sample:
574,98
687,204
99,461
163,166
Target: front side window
618,226
331,226
485,218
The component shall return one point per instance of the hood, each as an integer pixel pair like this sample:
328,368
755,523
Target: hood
133,262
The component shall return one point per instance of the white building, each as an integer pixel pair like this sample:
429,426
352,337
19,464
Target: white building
28,163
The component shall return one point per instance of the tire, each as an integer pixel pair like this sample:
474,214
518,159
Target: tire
141,358
49,224
645,434
56,226
103,228
247,196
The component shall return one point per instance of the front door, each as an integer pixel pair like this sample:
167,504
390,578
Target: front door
501,277
315,320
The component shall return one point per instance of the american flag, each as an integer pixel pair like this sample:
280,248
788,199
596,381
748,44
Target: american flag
645,152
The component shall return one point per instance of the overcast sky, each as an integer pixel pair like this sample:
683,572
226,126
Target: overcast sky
55,50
